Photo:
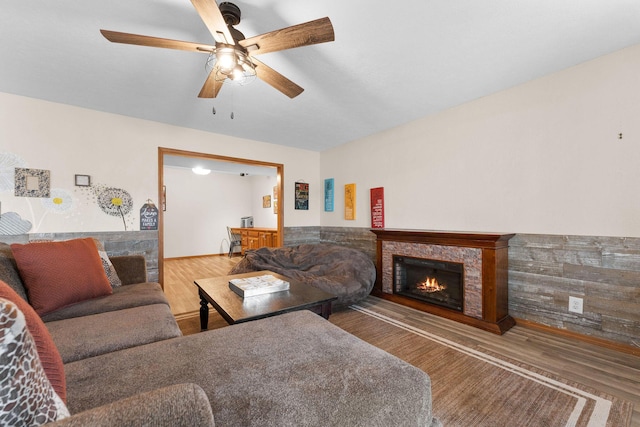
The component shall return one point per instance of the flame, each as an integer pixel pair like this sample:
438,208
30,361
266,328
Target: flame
430,284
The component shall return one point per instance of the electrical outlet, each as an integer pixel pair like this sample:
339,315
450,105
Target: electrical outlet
575,305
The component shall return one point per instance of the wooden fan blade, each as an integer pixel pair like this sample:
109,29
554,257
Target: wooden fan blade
276,80
211,86
213,19
127,38
313,32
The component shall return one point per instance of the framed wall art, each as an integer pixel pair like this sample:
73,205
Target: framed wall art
302,196
377,207
32,182
83,180
350,201
275,199
328,195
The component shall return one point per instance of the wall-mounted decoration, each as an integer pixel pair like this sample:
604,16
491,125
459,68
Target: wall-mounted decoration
12,224
302,196
8,163
61,201
275,199
350,201
32,182
115,202
328,195
266,201
83,181
148,216
377,207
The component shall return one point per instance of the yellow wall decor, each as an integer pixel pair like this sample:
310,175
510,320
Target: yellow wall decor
350,201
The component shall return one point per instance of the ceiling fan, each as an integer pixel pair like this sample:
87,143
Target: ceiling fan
233,56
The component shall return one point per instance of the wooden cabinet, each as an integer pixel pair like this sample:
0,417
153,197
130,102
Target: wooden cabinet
254,238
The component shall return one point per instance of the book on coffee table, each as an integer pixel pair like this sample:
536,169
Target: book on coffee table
258,285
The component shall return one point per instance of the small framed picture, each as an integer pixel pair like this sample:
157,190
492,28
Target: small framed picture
32,182
83,181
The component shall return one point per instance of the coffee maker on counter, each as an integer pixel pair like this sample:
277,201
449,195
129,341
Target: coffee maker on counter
246,222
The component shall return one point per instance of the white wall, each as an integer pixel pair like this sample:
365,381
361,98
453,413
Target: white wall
119,152
199,209
262,186
543,157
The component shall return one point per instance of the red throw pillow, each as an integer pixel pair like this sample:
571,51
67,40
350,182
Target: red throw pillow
58,274
47,351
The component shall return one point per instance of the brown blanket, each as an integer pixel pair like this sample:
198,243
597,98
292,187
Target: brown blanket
347,273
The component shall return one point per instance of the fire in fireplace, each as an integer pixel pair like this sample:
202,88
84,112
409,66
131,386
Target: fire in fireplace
432,281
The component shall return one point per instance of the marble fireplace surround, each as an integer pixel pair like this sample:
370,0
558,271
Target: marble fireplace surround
485,260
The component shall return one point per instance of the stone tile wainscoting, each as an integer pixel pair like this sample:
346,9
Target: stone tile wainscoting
115,243
544,270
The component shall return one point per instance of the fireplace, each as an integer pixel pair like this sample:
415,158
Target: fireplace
467,274
432,281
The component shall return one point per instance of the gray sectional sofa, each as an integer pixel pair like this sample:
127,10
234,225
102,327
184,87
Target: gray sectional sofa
126,364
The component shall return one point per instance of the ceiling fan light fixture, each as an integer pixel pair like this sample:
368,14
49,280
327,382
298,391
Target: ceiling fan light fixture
226,59
232,48
242,72
237,74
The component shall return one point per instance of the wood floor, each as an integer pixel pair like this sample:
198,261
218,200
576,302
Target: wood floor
179,274
615,373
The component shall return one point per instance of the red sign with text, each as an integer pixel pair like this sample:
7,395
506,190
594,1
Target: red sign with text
377,207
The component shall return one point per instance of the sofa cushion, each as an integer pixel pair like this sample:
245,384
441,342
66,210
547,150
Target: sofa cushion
122,297
87,336
9,271
293,369
182,405
58,274
47,350
27,397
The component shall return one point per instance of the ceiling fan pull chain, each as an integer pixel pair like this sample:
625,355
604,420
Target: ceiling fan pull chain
232,115
213,110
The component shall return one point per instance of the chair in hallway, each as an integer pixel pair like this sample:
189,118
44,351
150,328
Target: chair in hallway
234,241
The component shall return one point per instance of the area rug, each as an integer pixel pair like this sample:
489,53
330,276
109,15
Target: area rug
477,388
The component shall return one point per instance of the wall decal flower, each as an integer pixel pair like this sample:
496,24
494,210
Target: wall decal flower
8,163
115,202
61,201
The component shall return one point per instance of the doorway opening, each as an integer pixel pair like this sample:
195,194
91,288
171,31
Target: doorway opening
170,160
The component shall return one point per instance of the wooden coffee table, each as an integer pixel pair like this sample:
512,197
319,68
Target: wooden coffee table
235,309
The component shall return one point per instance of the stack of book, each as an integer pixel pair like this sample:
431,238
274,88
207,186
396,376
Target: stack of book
257,285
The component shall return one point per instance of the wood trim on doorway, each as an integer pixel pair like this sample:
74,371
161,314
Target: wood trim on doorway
162,151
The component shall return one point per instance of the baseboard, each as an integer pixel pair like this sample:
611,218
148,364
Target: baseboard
199,256
192,314
187,315
601,342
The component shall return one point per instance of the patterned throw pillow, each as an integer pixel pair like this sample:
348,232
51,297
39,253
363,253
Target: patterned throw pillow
47,351
26,396
109,269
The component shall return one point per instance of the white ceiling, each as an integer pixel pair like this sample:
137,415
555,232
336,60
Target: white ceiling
392,62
